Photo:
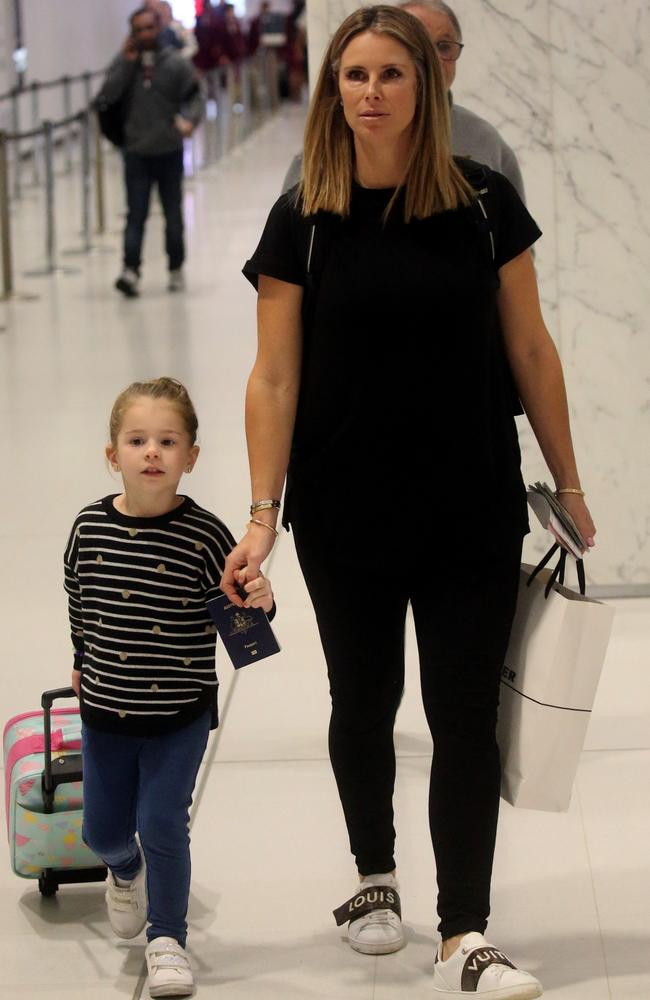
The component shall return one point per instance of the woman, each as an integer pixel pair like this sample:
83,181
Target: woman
380,383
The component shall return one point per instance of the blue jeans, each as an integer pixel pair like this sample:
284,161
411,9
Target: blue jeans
140,174
145,784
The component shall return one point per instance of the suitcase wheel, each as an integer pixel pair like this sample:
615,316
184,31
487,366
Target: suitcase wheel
47,886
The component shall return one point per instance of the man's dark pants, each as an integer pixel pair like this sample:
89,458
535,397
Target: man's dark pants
140,174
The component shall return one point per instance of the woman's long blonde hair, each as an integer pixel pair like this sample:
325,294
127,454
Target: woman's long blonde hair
433,183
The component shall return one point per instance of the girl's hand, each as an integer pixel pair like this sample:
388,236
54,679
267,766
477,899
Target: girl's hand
260,594
579,511
76,681
247,556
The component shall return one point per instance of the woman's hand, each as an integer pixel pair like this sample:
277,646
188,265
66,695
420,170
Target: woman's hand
246,558
76,681
260,594
577,508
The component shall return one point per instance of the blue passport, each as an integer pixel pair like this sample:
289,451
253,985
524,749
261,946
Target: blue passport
245,632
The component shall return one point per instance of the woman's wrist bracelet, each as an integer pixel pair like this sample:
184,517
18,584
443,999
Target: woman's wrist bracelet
263,524
264,505
570,489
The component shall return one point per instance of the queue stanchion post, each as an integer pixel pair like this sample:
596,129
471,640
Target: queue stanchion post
15,128
100,193
220,114
246,99
67,112
5,222
50,213
50,221
225,110
194,152
213,115
86,182
35,91
8,289
274,79
231,98
88,88
85,141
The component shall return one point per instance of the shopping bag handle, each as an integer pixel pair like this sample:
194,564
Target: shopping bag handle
558,572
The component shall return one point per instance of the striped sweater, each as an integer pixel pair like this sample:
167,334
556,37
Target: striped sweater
143,637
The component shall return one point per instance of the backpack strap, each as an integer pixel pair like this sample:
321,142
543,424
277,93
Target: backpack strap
480,177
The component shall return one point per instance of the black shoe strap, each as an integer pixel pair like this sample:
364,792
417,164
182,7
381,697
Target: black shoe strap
373,897
478,960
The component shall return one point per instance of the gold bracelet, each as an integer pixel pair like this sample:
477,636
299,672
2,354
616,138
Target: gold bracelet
570,489
263,505
254,520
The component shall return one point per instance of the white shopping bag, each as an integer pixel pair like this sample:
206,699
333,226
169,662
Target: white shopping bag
548,686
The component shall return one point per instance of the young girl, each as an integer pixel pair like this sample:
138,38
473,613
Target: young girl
139,568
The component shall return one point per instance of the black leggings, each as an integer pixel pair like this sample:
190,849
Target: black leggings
463,615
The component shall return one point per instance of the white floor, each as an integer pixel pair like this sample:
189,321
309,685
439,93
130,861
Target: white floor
571,897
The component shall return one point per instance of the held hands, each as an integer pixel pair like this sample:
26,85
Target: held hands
246,558
579,511
260,594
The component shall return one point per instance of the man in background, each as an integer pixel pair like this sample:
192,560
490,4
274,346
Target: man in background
471,135
161,105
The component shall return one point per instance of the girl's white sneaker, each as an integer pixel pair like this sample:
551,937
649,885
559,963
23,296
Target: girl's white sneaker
374,915
168,965
127,904
478,969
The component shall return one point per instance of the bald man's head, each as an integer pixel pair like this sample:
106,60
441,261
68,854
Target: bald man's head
442,26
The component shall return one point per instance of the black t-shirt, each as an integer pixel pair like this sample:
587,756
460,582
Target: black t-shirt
403,391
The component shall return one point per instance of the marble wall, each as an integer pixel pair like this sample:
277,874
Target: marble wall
568,85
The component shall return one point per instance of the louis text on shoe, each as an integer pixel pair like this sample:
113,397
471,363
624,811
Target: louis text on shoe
375,916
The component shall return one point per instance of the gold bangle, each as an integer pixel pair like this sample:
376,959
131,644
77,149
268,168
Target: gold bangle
263,505
254,520
570,489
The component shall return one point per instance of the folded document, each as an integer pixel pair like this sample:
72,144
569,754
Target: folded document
556,519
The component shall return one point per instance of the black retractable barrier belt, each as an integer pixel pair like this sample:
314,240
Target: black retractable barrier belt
374,897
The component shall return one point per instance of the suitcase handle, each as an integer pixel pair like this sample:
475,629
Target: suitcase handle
70,767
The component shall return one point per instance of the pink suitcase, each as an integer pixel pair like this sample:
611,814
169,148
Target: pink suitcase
44,796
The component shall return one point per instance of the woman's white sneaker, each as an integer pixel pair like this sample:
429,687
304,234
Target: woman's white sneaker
168,965
374,915
478,969
127,904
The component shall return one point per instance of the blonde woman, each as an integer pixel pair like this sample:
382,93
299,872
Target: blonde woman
380,384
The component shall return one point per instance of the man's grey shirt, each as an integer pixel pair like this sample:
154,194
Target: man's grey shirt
472,137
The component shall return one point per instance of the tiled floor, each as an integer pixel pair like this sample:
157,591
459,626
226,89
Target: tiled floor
571,892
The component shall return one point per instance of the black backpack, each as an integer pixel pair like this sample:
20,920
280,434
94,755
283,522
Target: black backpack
111,117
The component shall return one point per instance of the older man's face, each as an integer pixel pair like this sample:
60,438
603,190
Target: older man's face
439,28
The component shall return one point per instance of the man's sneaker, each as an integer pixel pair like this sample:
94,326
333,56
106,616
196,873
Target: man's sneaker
127,905
375,916
478,969
127,283
169,969
176,281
